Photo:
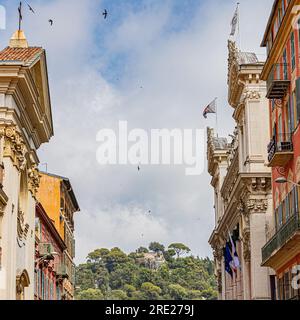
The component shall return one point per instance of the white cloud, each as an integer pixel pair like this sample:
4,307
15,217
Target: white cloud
180,70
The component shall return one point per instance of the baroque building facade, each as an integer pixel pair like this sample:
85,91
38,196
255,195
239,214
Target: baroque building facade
49,258
25,124
242,182
57,197
281,252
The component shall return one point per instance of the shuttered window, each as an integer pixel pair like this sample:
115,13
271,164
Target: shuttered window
293,58
298,98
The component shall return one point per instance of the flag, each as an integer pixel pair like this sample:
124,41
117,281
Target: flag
235,264
228,259
211,108
234,21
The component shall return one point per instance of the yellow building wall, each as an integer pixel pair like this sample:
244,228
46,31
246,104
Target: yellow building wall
49,196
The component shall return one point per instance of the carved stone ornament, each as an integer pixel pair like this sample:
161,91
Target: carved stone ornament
219,281
257,205
14,146
218,253
34,178
252,95
246,244
232,56
22,282
258,185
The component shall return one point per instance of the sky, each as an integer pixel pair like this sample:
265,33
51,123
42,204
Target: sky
155,64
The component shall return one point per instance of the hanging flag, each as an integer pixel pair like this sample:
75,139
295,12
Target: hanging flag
211,108
234,21
235,258
228,260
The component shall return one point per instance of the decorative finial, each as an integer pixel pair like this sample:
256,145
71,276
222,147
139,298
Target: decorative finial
18,39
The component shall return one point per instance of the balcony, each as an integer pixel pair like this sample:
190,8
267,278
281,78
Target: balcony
61,271
280,150
284,243
278,81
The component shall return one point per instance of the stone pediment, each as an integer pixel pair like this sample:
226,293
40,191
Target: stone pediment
39,72
23,74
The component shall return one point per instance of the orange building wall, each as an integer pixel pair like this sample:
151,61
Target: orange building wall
49,196
285,43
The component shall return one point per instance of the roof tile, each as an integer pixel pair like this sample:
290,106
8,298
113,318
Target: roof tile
26,55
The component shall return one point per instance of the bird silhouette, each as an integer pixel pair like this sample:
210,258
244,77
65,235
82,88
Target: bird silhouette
105,14
51,22
30,8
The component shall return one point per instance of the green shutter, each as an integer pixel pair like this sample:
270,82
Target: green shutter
298,98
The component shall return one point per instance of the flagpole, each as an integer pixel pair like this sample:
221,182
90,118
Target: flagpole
239,34
217,129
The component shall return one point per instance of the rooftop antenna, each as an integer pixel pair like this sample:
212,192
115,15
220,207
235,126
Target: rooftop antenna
45,165
20,15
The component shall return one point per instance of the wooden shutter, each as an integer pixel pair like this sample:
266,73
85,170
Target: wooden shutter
298,98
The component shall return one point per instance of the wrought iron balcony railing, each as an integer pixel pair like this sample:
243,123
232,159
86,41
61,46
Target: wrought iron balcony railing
278,81
280,150
281,237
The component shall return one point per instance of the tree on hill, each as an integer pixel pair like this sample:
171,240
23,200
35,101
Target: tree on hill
97,255
142,250
156,247
180,249
90,294
151,291
177,292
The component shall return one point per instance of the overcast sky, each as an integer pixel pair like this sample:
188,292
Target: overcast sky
176,50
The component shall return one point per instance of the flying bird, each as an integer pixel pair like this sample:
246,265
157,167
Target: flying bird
30,8
105,13
51,22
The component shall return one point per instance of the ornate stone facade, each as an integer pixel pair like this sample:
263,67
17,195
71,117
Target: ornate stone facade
244,190
25,123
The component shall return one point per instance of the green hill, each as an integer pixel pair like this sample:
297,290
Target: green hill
158,274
